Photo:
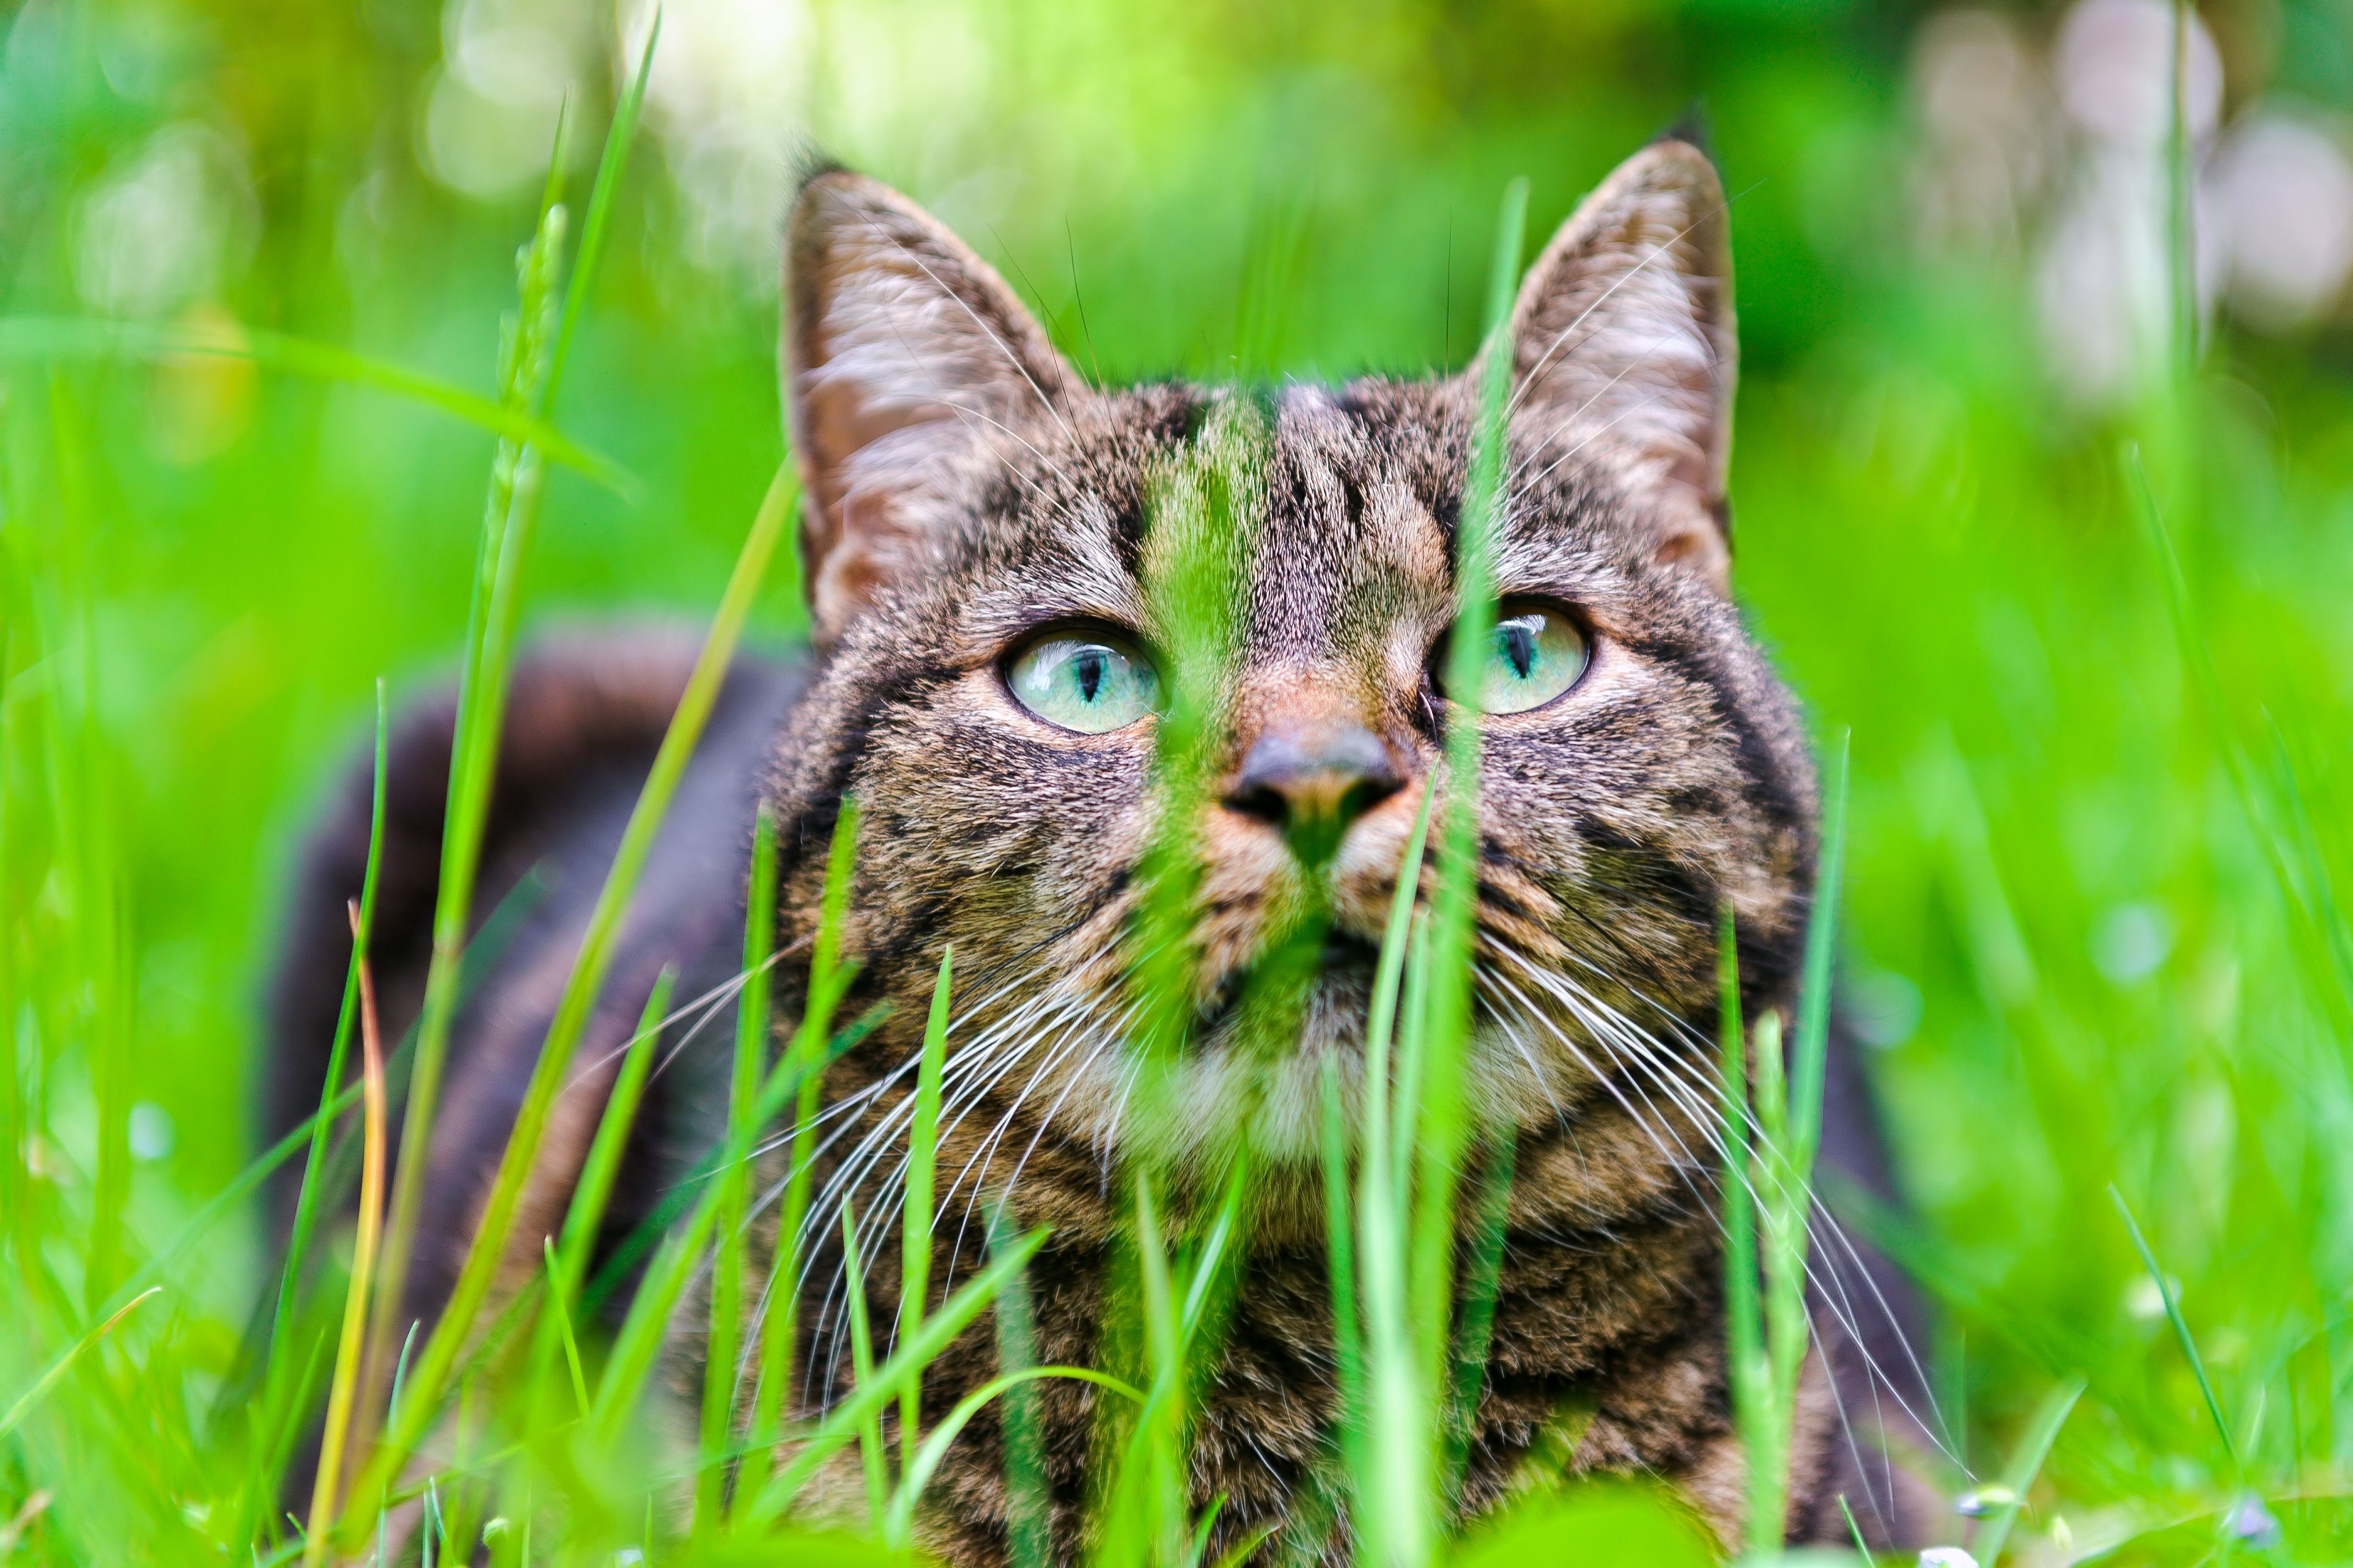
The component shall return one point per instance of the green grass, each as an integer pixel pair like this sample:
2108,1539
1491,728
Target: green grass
2098,705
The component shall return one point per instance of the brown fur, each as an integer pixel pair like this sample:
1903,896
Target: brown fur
964,486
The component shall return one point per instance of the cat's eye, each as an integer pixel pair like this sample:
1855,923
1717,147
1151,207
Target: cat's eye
1535,654
1090,679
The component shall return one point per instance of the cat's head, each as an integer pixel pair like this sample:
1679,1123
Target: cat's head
986,551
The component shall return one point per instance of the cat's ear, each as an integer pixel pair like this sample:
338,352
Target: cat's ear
1624,350
901,350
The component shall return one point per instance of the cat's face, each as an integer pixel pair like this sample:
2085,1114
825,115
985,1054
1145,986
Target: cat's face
989,550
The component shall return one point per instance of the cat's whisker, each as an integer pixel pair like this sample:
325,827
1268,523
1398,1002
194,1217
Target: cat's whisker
986,1151
1062,1015
1607,1081
872,1225
1829,1236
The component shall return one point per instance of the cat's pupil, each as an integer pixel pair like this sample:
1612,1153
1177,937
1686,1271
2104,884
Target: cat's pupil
1519,648
1089,667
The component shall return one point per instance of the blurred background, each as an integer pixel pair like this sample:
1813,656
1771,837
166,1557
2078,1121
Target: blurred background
2093,937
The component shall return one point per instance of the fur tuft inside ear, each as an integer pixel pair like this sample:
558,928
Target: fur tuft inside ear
904,353
1624,354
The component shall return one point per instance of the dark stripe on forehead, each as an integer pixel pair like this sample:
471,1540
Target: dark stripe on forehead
1422,443
1165,417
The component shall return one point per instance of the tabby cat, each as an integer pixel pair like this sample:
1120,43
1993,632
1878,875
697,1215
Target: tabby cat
985,679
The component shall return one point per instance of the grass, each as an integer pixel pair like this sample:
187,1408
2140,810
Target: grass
2094,840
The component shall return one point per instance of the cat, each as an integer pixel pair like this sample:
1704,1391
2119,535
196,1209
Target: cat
982,527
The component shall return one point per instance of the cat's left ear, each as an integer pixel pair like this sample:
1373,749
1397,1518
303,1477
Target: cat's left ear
1623,349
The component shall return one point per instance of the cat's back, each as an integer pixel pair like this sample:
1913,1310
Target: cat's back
585,715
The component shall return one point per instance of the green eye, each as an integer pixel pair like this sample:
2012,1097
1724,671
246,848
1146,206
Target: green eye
1537,654
1093,682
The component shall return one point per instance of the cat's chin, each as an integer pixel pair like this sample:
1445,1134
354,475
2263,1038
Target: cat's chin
1235,1093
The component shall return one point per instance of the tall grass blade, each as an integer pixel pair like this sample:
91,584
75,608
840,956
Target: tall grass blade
508,516
298,1241
561,1316
529,375
341,1393
924,1460
619,137
2181,1325
1340,1254
862,1359
829,978
27,1401
841,1424
1442,1130
915,1213
1478,1317
1030,1518
39,339
1743,1308
728,1260
1815,984
598,945
2033,1447
584,1218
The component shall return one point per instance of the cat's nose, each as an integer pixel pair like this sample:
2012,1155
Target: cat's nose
1311,781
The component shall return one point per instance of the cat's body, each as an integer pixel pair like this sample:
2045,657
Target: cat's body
970,498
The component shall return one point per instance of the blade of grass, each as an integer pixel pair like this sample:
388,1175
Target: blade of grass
584,1216
919,1349
699,1186
1029,1520
324,1498
1440,1130
925,1459
1431,1108
1812,1044
829,979
619,137
1778,1194
2033,1447
298,1240
49,339
561,1318
1744,1308
915,1213
1144,1519
2181,1326
508,517
28,1401
597,946
728,1262
528,379
1386,1403
643,1331
1390,1490
1854,1532
1340,1252
861,1358
1478,1317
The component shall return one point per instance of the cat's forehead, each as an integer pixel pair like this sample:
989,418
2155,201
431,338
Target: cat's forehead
1349,532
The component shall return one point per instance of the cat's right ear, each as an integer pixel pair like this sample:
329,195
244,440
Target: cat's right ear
902,349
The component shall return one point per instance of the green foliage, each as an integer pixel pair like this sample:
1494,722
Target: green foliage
1599,1522
2094,925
